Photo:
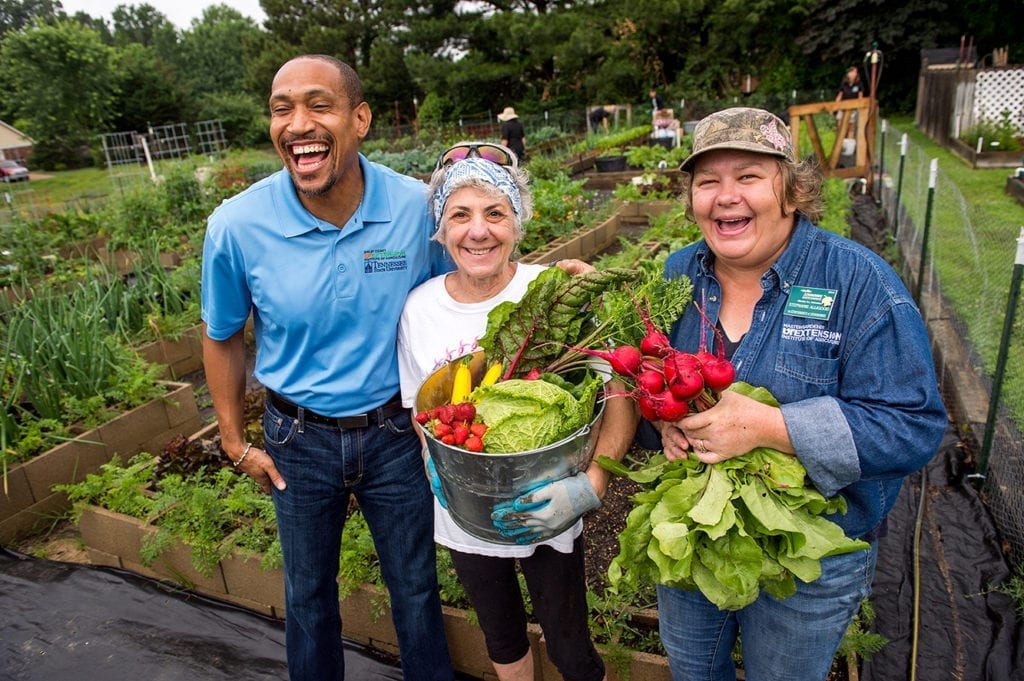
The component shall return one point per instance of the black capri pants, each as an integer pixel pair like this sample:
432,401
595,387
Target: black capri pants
557,585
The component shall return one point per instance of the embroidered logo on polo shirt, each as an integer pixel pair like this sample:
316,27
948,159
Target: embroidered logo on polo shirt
383,260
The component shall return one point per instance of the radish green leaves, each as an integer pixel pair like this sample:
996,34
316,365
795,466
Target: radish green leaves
730,529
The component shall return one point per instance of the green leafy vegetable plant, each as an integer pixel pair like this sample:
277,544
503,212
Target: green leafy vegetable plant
730,529
555,312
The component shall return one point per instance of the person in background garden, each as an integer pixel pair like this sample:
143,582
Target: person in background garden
851,88
830,330
665,126
480,200
323,254
598,118
657,104
512,134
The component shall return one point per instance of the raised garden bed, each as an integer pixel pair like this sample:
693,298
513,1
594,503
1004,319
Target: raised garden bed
589,242
180,356
115,539
985,159
1015,188
30,503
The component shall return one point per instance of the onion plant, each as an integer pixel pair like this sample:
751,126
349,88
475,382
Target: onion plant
69,367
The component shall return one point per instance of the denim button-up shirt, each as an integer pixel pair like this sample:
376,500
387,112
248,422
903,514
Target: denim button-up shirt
838,340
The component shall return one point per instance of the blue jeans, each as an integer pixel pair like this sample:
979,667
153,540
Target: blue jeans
793,639
380,465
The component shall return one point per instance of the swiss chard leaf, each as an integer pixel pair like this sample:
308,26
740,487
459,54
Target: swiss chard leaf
556,312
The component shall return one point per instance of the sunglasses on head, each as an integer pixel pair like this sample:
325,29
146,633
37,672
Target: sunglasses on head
494,153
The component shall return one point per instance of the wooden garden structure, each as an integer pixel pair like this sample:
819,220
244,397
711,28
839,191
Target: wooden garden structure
855,113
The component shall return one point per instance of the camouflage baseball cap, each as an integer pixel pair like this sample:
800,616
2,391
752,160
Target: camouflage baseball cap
743,129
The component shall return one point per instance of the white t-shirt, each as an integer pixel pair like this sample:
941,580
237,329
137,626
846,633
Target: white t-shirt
434,330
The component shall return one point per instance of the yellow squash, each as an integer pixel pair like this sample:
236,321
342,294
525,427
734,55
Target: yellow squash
463,383
492,375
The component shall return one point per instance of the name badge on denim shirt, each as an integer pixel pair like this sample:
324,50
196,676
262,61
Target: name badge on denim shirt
810,303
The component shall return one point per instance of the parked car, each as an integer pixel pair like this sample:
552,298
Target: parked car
11,171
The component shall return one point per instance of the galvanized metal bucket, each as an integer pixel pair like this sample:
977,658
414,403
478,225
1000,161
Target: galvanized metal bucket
474,482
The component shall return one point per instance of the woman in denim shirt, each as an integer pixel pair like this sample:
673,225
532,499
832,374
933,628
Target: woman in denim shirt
828,327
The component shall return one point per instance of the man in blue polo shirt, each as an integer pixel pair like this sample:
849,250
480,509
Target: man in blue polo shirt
323,254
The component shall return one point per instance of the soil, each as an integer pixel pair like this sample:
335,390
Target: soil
601,528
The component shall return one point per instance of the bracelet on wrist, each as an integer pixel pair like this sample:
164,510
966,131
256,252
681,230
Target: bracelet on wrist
245,453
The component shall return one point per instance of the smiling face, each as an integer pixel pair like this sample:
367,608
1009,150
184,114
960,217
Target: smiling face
479,231
737,205
315,127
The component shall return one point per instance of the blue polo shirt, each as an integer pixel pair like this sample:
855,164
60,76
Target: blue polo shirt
325,301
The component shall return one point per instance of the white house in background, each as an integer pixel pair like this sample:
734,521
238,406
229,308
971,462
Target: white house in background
14,144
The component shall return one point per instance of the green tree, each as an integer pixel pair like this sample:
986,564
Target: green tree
62,81
18,14
264,55
145,25
359,33
212,52
243,119
150,92
840,33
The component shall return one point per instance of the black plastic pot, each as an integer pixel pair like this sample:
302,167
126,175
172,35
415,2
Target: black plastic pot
610,164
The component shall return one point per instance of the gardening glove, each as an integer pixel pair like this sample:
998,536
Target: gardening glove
435,483
549,507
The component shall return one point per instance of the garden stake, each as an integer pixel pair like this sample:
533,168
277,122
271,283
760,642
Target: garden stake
1004,347
899,184
933,171
881,166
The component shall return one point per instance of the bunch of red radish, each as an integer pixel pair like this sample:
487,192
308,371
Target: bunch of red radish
669,383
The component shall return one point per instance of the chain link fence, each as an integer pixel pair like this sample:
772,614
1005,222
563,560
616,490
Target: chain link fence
962,284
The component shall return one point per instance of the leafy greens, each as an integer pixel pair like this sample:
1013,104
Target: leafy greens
729,529
591,310
525,415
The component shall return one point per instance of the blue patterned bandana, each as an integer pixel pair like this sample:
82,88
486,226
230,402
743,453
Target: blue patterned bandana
457,174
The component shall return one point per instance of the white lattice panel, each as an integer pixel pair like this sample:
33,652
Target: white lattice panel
1000,90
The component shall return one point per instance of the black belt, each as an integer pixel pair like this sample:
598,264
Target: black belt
392,407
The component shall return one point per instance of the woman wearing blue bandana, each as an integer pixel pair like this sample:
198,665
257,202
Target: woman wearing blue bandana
480,201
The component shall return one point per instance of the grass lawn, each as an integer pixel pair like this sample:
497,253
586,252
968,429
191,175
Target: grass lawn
59,189
974,233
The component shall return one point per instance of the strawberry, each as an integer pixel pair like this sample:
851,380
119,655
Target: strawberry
461,432
422,418
478,429
448,439
474,444
465,411
446,413
442,429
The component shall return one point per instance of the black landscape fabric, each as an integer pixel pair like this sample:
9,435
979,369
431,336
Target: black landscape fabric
64,621
967,629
